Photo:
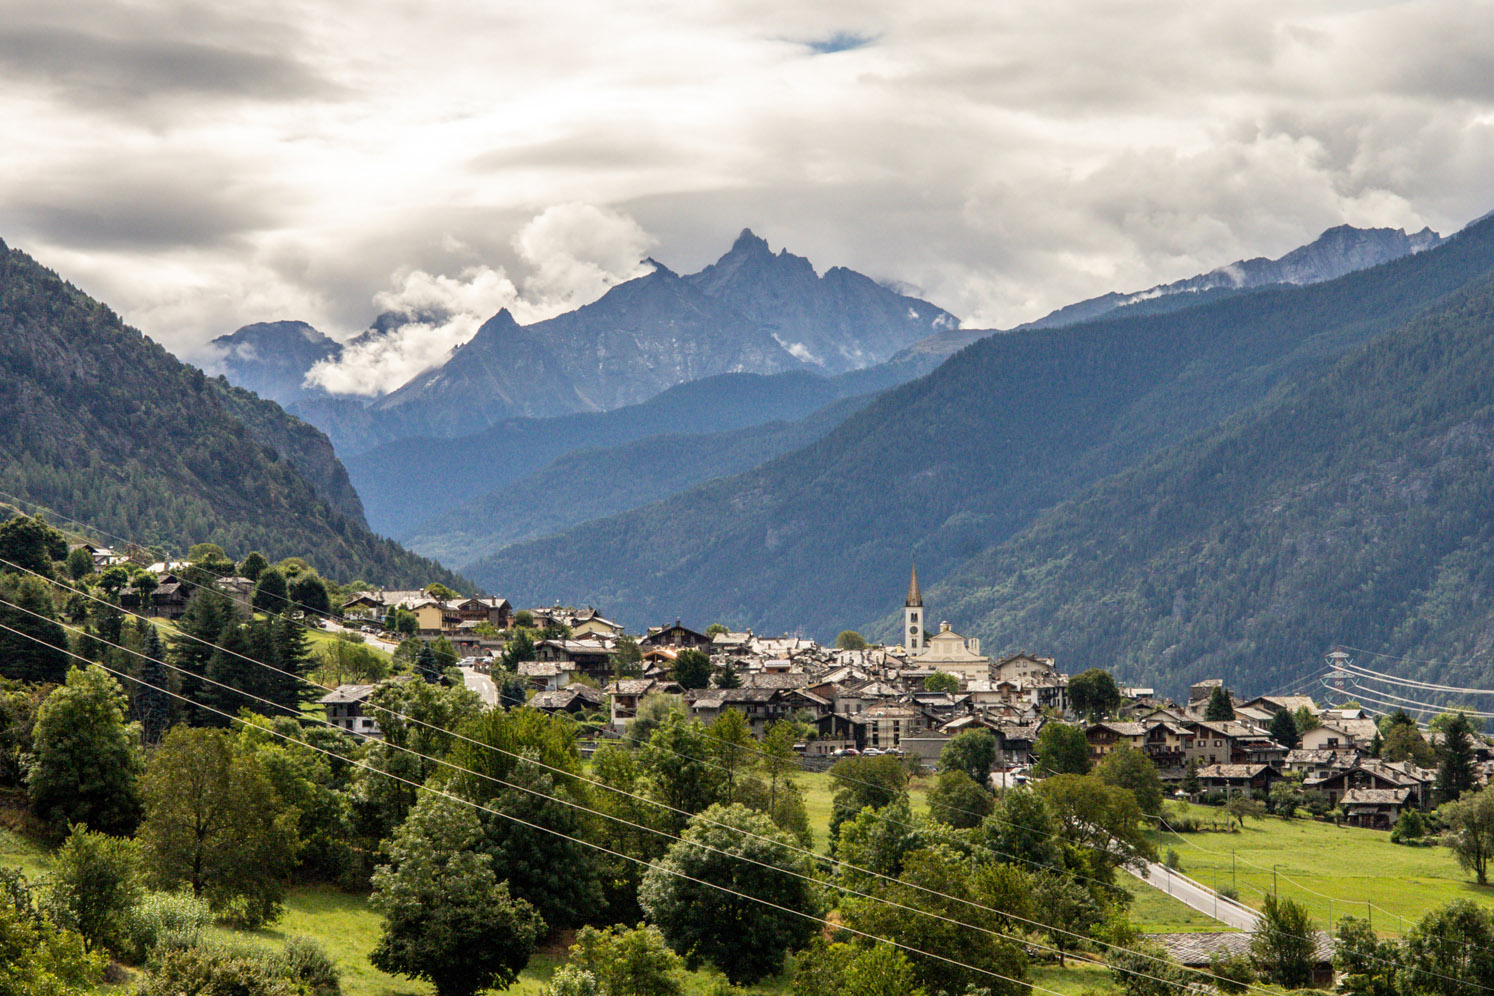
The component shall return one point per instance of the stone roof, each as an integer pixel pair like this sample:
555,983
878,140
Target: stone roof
1375,797
1194,949
345,694
1231,770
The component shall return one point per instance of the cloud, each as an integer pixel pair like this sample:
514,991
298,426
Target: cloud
574,253
443,312
202,164
578,251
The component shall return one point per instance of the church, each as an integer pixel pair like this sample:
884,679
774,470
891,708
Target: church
946,650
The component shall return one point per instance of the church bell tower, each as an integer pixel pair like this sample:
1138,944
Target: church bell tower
913,616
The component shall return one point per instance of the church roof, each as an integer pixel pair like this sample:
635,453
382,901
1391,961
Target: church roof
915,596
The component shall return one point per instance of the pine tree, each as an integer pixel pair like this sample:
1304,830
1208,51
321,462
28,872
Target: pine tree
208,614
152,706
1455,764
426,664
295,660
1220,708
232,675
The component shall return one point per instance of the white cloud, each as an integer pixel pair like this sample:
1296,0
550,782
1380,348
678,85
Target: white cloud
202,165
575,252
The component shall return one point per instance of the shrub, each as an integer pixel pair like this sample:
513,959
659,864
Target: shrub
213,969
163,921
305,962
1232,973
1174,863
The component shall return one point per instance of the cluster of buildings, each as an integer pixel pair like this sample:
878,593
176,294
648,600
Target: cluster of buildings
876,699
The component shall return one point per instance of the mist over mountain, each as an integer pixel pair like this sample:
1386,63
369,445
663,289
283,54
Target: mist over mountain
272,358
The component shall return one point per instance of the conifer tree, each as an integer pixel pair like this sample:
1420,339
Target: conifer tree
208,614
1220,708
294,659
152,706
1455,763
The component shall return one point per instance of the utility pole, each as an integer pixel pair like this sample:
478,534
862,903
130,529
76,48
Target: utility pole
1273,880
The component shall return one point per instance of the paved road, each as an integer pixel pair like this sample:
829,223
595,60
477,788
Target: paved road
482,685
372,641
1200,897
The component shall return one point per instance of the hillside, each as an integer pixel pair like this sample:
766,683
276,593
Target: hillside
103,424
1357,507
953,464
591,483
271,358
395,479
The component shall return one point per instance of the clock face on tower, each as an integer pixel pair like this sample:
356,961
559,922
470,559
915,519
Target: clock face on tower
912,630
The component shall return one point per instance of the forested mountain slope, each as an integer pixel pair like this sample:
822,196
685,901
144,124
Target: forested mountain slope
952,464
406,483
1356,507
101,423
591,483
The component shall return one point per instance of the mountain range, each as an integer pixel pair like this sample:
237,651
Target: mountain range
951,466
103,424
752,311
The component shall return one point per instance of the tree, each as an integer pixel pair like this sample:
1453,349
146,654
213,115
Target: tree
1283,945
1221,707
214,822
1022,830
1450,952
1094,693
271,591
943,882
854,970
447,918
679,767
209,614
654,710
733,750
627,961
692,669
1456,770
1283,730
1146,969
849,639
1101,820
79,563
958,802
1126,767
942,681
28,543
1404,742
1061,749
426,664
94,884
518,649
152,702
253,566
85,757
744,938
309,594
1065,907
715,629
1366,964
1470,831
727,677
19,704
37,958
973,752
1190,784
627,659
35,651
439,591
864,781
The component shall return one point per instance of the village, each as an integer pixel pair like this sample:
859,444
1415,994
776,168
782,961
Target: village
910,700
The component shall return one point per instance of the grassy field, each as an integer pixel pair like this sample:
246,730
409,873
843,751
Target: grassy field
1155,912
1316,863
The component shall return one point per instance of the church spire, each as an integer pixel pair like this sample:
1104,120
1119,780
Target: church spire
915,596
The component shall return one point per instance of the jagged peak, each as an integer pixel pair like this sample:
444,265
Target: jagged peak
749,241
659,268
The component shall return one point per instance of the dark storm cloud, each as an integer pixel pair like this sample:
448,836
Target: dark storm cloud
112,69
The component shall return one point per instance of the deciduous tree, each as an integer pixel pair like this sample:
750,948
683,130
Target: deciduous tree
1094,693
86,758
447,918
741,936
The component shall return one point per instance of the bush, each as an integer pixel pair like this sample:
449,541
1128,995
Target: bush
1174,863
1409,828
164,921
300,969
305,962
1232,973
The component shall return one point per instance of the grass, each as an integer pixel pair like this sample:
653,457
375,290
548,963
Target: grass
1319,863
1155,912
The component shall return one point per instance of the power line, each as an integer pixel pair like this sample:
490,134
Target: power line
549,830
574,805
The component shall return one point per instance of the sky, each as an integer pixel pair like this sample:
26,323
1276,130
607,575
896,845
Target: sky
203,165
